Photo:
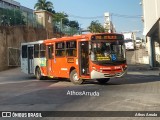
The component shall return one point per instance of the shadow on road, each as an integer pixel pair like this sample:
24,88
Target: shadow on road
128,79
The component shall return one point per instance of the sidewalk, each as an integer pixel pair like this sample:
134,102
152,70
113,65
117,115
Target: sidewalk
137,67
143,69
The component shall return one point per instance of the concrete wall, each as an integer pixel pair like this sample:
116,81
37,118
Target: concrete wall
13,36
151,13
45,18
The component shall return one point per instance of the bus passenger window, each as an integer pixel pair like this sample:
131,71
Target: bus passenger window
71,48
60,49
42,50
63,53
50,51
36,51
24,51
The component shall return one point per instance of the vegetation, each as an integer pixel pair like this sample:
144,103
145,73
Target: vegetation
74,24
96,27
44,5
62,18
58,16
11,17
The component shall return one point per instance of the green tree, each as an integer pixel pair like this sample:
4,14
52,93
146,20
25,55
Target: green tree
61,16
44,5
96,27
74,24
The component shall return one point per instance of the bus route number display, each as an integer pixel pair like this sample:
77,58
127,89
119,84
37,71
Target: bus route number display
106,37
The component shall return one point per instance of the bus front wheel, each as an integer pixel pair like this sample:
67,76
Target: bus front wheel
74,78
103,80
38,74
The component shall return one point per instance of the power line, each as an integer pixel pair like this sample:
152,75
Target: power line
81,17
126,16
112,14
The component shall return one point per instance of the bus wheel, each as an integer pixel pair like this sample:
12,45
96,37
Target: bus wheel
38,74
74,78
103,80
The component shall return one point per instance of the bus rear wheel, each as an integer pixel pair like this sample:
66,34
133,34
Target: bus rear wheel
38,74
103,80
74,78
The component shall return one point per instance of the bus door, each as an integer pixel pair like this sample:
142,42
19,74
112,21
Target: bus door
30,60
50,59
84,57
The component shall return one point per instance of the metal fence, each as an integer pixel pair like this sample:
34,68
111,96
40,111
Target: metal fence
15,17
13,56
18,17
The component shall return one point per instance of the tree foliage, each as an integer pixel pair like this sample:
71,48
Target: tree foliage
44,5
96,27
63,17
59,17
11,17
74,24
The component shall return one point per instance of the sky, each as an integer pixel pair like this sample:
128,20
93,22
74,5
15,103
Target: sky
125,13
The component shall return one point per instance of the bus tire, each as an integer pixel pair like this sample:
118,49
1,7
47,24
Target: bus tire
74,78
38,74
103,80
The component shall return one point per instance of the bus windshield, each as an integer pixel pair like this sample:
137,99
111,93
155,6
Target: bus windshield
108,51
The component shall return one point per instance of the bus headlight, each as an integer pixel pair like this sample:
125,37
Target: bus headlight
94,68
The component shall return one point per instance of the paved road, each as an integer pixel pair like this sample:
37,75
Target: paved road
139,90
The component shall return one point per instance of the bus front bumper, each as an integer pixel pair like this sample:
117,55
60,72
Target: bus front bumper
98,75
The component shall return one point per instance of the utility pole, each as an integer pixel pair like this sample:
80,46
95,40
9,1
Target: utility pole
61,26
80,31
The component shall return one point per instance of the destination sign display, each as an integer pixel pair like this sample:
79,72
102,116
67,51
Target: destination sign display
107,37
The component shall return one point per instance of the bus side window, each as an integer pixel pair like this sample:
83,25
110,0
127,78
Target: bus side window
75,52
24,51
50,52
71,48
36,51
60,49
63,53
42,50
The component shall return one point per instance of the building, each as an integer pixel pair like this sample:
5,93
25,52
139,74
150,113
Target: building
26,10
9,4
151,19
129,35
108,25
28,14
45,18
32,18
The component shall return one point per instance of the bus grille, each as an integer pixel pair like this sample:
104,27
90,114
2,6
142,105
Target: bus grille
112,75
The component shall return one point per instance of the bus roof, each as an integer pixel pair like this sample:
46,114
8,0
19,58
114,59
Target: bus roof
75,37
32,43
68,38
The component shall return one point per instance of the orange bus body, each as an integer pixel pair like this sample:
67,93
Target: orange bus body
77,57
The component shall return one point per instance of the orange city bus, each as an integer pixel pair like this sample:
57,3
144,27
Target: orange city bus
82,57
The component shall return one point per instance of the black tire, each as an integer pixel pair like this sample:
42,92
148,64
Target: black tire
74,78
103,80
38,74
